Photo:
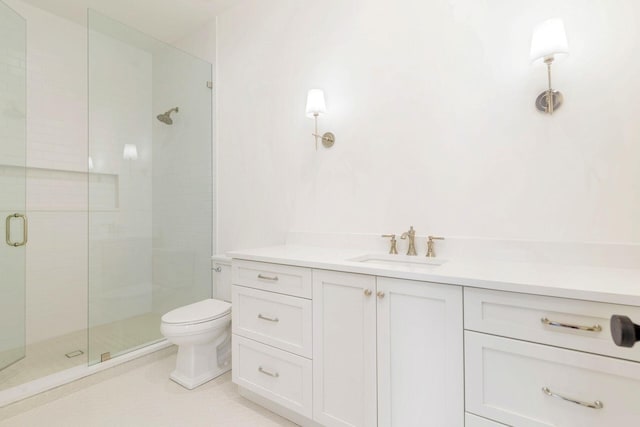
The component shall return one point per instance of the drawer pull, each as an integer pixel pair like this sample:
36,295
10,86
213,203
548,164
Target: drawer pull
595,405
271,374
272,278
594,328
270,319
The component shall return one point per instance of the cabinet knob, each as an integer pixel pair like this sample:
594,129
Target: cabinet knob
368,292
380,294
624,332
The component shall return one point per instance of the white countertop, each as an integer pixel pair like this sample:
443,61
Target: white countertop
612,285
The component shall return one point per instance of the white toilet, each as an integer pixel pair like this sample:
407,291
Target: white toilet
202,332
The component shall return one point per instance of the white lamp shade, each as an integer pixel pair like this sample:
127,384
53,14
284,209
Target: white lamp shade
315,103
549,39
130,152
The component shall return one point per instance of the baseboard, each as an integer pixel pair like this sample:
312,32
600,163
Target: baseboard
277,409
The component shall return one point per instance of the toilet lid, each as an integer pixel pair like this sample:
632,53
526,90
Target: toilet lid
198,312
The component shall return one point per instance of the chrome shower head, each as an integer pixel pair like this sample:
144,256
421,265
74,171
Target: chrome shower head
166,117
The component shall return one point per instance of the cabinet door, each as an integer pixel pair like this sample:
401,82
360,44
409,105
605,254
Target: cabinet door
344,349
420,354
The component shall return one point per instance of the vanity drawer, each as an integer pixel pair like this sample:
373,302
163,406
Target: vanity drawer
278,320
279,278
274,374
505,381
547,320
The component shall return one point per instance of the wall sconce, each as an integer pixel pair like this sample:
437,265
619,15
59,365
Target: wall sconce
549,40
315,107
130,152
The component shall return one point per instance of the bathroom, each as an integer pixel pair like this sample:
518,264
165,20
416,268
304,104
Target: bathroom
433,109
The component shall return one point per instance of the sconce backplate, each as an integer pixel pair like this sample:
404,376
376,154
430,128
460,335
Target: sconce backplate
328,139
541,101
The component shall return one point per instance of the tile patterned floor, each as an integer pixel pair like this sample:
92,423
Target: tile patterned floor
48,357
145,397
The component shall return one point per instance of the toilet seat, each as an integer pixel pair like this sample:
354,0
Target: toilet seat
177,330
199,312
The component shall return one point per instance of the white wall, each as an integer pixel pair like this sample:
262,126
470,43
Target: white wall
201,42
432,106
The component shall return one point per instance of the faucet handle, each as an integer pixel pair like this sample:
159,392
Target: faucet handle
431,252
392,249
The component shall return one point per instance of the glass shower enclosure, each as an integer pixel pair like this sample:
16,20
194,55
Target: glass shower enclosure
12,185
101,238
150,185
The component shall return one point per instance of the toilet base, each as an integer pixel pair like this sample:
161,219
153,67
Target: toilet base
191,382
200,363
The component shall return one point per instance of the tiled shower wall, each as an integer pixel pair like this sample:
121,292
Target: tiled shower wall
120,189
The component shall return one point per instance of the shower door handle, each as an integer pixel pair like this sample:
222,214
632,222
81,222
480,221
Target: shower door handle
8,230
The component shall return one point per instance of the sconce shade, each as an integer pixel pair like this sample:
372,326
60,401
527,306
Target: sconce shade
549,39
130,152
315,103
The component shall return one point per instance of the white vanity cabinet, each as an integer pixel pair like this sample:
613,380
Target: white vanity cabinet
387,352
330,348
544,361
471,420
271,344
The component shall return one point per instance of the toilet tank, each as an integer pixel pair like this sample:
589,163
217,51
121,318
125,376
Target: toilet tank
221,277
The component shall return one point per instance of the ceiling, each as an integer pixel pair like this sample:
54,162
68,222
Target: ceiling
167,20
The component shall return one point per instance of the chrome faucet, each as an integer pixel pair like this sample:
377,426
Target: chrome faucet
411,234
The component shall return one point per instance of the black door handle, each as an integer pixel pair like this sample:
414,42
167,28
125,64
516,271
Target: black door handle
625,333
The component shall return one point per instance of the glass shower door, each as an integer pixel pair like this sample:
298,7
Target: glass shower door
150,185
12,185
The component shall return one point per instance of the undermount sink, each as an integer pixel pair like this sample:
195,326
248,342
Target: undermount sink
405,261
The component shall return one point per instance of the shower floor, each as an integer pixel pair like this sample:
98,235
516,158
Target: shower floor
48,357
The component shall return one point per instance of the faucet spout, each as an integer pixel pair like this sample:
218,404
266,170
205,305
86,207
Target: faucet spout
411,234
